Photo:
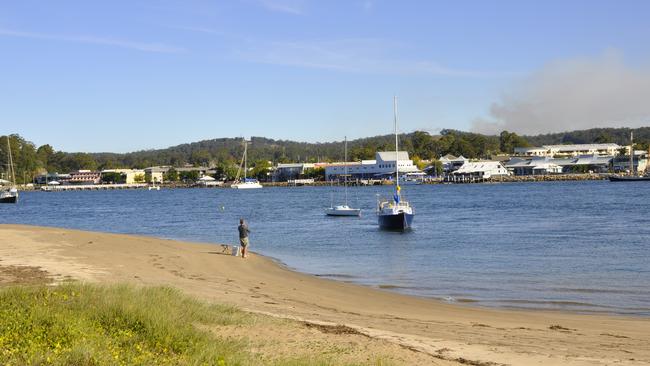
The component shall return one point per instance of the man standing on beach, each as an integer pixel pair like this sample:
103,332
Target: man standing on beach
243,237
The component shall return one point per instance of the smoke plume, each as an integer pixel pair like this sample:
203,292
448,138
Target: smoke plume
574,95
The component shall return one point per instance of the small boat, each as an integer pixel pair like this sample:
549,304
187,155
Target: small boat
245,183
629,178
344,210
632,177
153,188
410,181
396,213
10,195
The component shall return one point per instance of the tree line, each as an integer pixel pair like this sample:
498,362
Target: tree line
224,154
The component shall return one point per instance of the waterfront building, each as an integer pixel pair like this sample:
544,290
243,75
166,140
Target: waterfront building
451,163
478,170
52,177
85,177
129,176
546,165
575,150
531,151
535,166
621,163
154,174
285,172
382,167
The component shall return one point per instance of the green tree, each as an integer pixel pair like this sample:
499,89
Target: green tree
226,171
171,175
191,176
261,170
509,140
200,158
112,177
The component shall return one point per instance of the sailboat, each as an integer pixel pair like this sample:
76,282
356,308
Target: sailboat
344,210
396,213
10,196
632,177
245,183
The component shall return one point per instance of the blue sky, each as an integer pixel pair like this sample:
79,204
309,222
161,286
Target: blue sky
129,75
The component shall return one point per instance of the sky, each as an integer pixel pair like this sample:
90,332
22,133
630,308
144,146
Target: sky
126,75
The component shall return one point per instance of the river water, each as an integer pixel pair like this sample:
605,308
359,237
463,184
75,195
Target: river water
577,246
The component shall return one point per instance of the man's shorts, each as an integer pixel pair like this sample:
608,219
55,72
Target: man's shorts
243,241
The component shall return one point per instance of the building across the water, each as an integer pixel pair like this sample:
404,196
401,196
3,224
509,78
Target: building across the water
285,172
85,177
478,170
52,177
128,176
451,163
608,149
383,166
541,165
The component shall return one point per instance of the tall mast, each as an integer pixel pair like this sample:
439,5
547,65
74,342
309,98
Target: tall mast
396,144
345,177
245,153
11,171
631,153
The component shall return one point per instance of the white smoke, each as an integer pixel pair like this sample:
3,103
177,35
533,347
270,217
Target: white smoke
573,95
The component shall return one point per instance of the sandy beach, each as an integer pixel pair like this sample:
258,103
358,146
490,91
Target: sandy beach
412,330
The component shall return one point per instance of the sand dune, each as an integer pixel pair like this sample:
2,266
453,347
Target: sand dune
424,330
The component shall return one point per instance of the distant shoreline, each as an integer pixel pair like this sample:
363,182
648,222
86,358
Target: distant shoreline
501,179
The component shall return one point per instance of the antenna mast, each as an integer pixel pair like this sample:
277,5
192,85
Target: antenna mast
396,144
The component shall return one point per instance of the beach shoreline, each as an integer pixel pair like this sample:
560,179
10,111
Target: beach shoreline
266,286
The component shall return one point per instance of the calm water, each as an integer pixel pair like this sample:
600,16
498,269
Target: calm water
581,246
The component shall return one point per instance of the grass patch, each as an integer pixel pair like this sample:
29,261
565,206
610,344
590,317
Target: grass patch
93,324
81,324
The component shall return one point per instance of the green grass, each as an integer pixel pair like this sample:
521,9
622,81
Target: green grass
75,324
92,324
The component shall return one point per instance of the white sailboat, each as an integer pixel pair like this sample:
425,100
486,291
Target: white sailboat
344,210
11,195
245,183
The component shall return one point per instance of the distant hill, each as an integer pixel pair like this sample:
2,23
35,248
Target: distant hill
30,160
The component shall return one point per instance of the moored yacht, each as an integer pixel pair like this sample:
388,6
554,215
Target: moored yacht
245,183
395,213
10,195
344,209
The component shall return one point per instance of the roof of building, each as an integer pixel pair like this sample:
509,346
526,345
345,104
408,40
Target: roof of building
295,165
526,149
390,155
579,147
478,166
447,157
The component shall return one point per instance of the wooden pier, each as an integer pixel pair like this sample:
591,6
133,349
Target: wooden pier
92,187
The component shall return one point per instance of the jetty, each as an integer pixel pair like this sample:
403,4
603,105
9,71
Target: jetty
92,187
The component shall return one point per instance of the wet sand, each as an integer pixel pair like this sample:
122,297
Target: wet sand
424,330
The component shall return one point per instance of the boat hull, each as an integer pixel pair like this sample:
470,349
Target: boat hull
9,199
399,221
346,212
614,178
246,186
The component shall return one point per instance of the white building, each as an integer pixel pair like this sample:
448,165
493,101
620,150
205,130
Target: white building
451,163
479,170
609,149
284,172
383,166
